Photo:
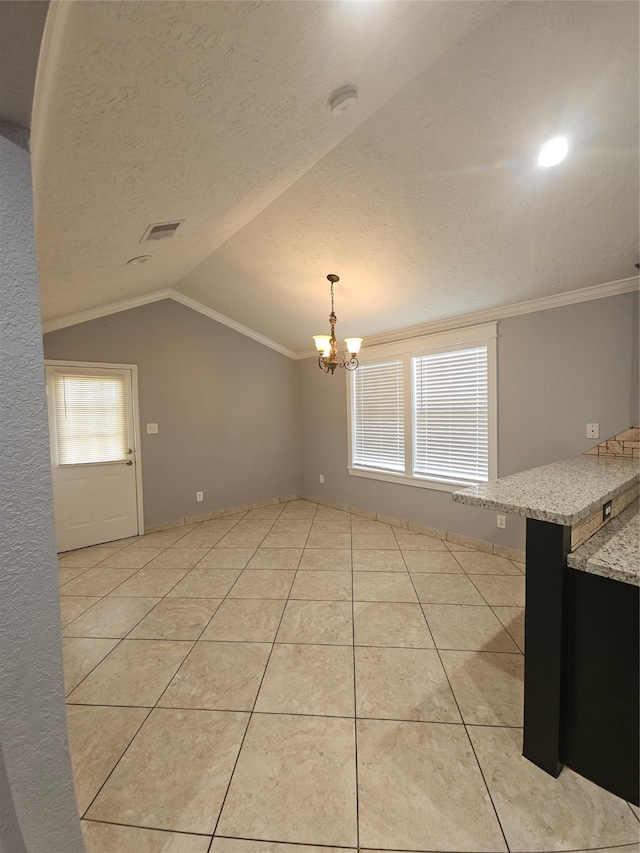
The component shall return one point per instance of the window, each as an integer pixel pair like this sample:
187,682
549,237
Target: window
378,434
423,411
90,418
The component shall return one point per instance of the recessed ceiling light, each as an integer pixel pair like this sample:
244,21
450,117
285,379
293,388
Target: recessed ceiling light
141,259
553,152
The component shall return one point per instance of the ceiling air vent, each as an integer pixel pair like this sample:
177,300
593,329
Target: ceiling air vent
161,230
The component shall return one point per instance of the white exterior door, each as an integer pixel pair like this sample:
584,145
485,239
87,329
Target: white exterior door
96,476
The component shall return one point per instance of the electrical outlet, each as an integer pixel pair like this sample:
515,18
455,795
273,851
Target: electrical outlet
322,478
199,496
593,430
152,429
501,521
606,511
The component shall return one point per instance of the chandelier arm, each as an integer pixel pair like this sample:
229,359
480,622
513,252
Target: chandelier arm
350,363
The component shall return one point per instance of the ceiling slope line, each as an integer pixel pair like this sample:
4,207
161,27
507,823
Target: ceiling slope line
158,296
232,324
104,311
557,300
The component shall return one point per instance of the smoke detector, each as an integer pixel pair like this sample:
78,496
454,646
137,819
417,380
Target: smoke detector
161,230
343,100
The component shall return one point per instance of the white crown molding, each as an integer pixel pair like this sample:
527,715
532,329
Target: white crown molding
226,321
157,296
558,300
104,310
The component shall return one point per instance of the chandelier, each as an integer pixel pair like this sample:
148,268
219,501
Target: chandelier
328,358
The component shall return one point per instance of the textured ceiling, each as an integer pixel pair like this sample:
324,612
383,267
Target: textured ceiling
425,199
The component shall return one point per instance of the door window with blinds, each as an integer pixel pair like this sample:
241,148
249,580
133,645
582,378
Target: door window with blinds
90,417
426,415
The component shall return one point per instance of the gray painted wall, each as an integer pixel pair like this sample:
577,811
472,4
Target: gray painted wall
36,789
557,370
561,369
227,407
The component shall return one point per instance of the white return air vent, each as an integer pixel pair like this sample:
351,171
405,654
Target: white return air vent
161,230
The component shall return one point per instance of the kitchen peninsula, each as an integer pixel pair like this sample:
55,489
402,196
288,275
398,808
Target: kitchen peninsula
581,619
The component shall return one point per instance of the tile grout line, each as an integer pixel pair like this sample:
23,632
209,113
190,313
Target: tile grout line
196,598
90,607
633,812
149,709
264,672
355,689
251,713
303,844
299,714
109,774
289,598
446,674
170,680
515,607
146,828
424,615
135,570
486,602
475,755
120,639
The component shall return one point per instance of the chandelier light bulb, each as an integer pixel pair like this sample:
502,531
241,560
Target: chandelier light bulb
323,342
353,345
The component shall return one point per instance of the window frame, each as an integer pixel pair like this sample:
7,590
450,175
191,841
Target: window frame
483,335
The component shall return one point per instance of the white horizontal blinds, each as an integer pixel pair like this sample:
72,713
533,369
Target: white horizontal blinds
378,416
91,418
451,415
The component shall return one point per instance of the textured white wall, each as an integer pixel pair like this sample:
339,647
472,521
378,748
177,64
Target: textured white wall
36,788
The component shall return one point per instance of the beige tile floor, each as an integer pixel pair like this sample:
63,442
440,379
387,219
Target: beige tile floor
296,679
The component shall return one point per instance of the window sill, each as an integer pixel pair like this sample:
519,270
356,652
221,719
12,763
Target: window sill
404,480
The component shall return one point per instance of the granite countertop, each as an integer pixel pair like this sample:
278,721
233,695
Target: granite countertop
562,492
614,551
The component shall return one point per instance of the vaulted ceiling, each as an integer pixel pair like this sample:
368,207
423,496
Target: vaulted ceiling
426,197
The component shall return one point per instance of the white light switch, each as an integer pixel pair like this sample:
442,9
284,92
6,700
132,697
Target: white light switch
593,430
152,428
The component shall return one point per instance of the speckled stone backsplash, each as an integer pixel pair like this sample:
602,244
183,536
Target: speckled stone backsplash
625,443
